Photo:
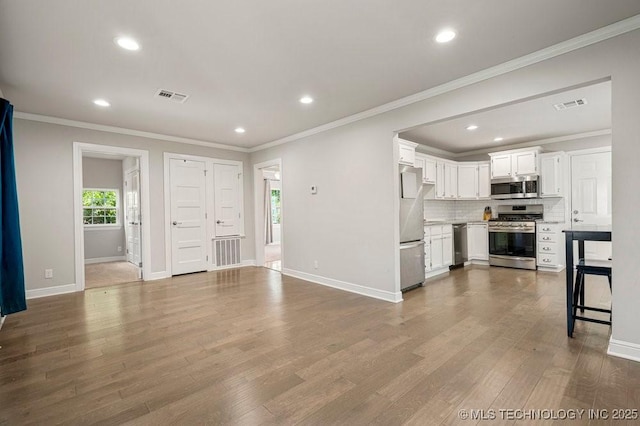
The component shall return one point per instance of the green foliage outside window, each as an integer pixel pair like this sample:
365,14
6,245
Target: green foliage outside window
99,207
275,206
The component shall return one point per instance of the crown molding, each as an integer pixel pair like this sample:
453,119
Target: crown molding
533,143
122,131
596,36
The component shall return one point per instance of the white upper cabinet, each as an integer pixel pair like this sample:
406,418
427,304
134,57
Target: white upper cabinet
552,174
450,181
467,181
507,164
525,163
429,171
484,180
428,166
407,152
501,166
440,178
474,181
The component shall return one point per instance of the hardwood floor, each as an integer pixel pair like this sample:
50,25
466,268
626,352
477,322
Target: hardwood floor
109,273
248,346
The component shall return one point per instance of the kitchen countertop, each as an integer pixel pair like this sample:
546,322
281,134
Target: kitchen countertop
451,222
549,222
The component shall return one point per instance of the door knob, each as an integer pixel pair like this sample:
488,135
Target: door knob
577,220
576,212
219,221
175,222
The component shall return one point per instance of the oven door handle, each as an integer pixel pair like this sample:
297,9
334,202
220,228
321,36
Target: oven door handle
514,230
499,256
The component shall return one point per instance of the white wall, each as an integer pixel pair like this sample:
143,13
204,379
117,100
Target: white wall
44,164
350,225
101,173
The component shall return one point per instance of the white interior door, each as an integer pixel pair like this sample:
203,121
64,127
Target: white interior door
591,197
226,188
188,216
132,217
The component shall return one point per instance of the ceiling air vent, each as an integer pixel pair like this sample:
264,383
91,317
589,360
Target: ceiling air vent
570,104
174,96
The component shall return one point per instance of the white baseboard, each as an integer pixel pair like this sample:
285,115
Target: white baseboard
104,259
50,291
250,262
622,349
2,318
157,276
478,262
387,296
436,272
551,268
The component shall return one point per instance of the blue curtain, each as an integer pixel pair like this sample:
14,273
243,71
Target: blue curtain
12,295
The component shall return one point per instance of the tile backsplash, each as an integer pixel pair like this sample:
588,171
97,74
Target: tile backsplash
471,210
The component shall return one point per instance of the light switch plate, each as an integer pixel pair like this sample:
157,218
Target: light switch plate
314,189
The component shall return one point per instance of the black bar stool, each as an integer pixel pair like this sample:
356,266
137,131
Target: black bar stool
589,267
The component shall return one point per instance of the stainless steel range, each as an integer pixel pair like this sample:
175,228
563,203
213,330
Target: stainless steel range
512,236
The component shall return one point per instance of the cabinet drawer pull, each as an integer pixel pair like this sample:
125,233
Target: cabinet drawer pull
546,238
546,248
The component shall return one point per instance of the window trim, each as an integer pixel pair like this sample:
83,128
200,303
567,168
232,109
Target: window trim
104,226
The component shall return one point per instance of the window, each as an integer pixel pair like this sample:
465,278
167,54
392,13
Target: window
275,206
100,207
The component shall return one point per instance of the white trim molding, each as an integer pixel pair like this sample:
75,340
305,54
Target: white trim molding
104,259
258,211
622,349
387,296
122,131
158,276
79,149
51,291
593,37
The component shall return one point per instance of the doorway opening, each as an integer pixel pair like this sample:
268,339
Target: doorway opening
111,198
268,192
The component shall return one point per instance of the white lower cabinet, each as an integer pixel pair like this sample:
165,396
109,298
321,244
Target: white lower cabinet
478,241
438,251
550,246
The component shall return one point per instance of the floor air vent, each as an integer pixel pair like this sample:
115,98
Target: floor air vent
227,251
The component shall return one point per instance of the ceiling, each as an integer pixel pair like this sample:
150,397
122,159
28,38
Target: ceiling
247,62
532,120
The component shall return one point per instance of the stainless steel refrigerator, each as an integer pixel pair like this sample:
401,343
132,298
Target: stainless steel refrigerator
411,228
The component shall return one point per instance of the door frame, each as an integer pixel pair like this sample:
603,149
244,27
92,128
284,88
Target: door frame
81,148
258,201
209,203
125,173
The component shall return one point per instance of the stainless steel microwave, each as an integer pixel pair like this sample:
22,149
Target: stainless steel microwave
516,187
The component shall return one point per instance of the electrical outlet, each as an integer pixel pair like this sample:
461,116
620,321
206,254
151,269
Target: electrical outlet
48,273
315,264
119,249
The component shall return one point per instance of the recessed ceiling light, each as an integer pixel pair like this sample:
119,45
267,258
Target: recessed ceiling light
445,36
306,100
101,102
240,130
127,43
472,127
498,139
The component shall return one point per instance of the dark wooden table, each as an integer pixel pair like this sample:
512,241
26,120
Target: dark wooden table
579,233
